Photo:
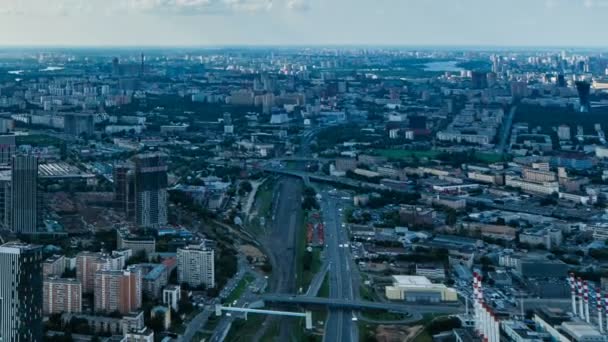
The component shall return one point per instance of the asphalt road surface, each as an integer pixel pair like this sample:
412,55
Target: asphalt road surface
340,325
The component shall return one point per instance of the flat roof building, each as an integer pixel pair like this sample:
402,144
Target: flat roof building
419,289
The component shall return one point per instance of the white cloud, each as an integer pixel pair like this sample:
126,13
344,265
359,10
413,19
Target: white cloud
595,3
197,6
298,5
160,7
584,3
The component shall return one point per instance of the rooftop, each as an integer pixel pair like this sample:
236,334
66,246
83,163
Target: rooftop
580,329
406,280
17,247
156,272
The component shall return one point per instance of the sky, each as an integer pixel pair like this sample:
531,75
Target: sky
303,22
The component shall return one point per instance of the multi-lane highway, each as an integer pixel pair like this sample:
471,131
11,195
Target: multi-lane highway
340,325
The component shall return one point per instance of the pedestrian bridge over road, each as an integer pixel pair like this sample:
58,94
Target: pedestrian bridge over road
360,305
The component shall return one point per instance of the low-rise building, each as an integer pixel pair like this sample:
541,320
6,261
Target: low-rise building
419,289
546,188
431,271
53,266
155,277
547,237
142,335
171,296
138,244
517,331
164,313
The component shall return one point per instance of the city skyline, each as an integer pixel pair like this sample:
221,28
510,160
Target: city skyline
255,22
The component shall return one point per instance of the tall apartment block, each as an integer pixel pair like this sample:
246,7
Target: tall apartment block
61,295
196,266
7,148
124,188
150,190
24,194
6,202
87,265
118,290
20,292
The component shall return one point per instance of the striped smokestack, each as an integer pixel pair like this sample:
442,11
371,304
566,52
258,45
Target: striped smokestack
579,288
598,299
572,282
586,298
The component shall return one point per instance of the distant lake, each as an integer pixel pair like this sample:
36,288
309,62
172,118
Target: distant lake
451,66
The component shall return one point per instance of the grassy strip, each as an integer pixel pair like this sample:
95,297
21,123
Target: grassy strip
324,290
301,334
201,336
263,205
212,322
271,333
315,267
244,330
38,140
264,196
300,250
406,154
423,337
367,331
486,157
367,294
240,288
383,315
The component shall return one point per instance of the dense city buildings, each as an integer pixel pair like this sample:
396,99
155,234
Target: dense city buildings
375,183
21,292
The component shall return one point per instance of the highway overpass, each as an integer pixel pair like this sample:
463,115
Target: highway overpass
407,308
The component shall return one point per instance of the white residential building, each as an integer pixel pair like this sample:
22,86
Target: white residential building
196,265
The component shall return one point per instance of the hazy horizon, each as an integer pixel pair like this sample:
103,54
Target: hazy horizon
204,23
